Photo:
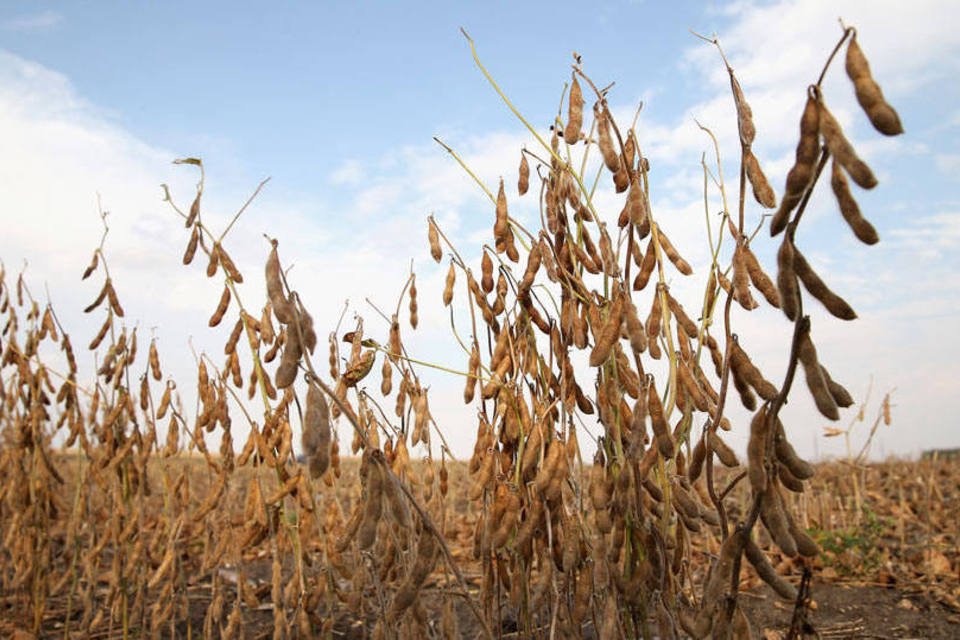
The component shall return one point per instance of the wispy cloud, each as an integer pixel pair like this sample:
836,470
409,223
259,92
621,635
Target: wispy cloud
32,22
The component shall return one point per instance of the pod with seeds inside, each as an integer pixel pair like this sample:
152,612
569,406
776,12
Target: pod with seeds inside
842,150
486,270
316,431
372,476
672,254
819,290
745,124
741,280
448,286
228,264
433,236
767,573
787,285
282,307
221,308
610,156
744,367
571,134
788,480
762,191
775,520
722,449
635,329
658,421
154,359
756,451
524,181
646,267
386,377
747,398
760,279
881,114
289,361
840,394
414,315
609,334
800,468
721,573
191,249
801,174
861,227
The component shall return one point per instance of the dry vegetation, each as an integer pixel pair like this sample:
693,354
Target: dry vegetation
137,528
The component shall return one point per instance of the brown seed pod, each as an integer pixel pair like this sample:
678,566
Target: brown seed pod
747,398
214,262
289,361
394,340
486,269
228,265
801,174
524,182
741,280
448,286
661,429
775,519
721,573
842,150
610,156
861,227
788,480
646,268
723,450
654,319
745,124
316,431
635,329
282,307
697,457
881,114
800,468
840,395
767,573
787,284
819,290
682,265
154,359
501,226
636,208
473,373
188,254
358,370
756,451
414,316
221,308
744,367
386,377
609,335
689,383
760,279
433,237
97,339
372,478
762,191
571,134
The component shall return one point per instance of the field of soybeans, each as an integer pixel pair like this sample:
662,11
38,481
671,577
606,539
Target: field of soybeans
306,490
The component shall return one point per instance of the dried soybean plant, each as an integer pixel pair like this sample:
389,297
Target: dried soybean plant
562,552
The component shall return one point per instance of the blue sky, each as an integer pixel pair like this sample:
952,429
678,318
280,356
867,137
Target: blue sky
338,103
